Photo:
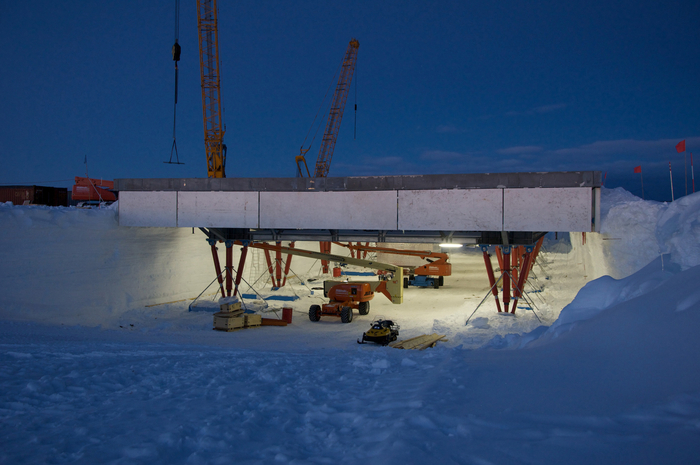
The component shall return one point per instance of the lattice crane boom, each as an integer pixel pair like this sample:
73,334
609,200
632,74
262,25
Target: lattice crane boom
325,154
208,24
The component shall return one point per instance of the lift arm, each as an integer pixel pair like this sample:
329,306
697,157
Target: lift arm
438,265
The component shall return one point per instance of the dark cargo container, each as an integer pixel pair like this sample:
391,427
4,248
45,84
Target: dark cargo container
34,195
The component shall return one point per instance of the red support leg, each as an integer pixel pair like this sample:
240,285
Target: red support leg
506,277
217,267
514,256
288,264
229,267
278,264
499,257
523,276
270,268
492,278
325,248
536,252
239,272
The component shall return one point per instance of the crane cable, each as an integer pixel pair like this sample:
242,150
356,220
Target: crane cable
176,57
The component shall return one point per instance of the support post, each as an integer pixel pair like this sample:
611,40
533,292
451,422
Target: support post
538,246
325,248
492,278
270,268
506,277
287,264
217,266
499,257
523,276
239,272
278,263
514,264
229,267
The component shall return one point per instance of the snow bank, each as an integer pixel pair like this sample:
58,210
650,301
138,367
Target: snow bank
72,266
678,231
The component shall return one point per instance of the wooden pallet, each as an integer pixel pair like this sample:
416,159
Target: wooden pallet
419,342
225,321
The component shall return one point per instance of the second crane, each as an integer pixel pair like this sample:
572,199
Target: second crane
340,96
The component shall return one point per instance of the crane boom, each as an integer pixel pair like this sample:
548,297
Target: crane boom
208,24
325,154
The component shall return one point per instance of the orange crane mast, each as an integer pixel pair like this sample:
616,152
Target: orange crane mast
208,25
330,135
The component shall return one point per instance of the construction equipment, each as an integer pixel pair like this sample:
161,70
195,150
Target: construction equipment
208,26
382,332
346,297
93,190
432,274
325,153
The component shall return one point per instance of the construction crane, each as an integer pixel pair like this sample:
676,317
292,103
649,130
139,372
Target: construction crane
208,25
340,96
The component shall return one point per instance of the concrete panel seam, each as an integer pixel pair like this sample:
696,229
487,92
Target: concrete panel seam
503,209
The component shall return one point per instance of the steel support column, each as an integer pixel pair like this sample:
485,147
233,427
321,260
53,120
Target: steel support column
217,266
492,278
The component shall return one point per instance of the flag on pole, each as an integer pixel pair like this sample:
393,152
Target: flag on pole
680,147
638,169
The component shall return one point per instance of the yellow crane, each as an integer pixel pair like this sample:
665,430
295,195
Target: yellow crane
208,25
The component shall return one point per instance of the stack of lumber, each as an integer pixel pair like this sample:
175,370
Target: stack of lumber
231,321
419,342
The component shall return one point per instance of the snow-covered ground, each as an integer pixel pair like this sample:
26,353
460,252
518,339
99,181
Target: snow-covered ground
101,361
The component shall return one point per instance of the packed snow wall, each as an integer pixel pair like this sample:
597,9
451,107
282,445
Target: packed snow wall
69,265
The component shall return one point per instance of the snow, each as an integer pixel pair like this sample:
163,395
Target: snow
101,361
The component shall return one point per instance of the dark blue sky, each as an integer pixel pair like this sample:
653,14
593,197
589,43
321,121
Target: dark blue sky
442,87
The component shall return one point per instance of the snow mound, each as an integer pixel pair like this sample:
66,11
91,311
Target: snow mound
678,231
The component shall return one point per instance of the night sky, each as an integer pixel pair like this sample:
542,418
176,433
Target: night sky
441,87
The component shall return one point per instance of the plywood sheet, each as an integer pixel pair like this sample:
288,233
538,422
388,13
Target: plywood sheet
553,209
155,209
217,209
451,210
328,210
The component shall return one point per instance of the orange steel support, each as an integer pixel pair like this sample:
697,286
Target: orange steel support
239,272
492,278
325,248
506,277
523,276
278,263
229,267
538,246
270,268
516,263
217,266
287,265
499,257
208,25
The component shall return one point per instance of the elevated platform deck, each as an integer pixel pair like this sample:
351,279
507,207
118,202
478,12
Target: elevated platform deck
490,208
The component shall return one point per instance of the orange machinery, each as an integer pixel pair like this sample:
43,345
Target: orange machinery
93,190
432,274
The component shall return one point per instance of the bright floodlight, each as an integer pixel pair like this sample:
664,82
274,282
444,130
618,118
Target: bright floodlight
450,245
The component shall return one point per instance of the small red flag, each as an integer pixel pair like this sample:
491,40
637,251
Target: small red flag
638,169
680,147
